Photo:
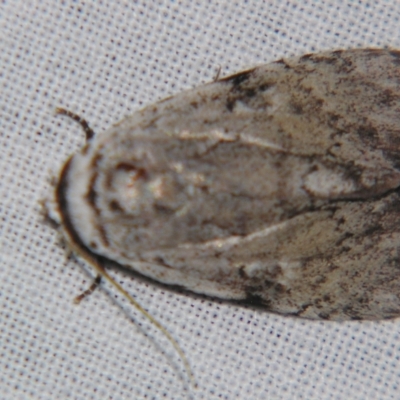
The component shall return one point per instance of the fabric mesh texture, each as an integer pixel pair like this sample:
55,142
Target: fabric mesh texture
104,60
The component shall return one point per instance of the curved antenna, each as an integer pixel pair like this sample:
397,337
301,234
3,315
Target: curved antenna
103,273
80,249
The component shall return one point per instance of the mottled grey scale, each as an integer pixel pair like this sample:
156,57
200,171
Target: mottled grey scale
277,186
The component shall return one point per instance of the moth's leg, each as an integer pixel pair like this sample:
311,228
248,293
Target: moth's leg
217,75
85,126
89,290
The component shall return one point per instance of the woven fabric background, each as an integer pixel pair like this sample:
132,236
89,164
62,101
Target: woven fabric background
104,60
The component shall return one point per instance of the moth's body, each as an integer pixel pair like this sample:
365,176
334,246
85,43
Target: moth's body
277,186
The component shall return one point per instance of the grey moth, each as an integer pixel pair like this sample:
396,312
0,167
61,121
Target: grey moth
277,186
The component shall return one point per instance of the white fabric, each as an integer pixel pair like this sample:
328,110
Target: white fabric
103,60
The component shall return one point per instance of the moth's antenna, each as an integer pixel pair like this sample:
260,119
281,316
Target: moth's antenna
89,132
102,272
93,261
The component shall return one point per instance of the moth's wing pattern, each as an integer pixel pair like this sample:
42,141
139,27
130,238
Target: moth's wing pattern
276,186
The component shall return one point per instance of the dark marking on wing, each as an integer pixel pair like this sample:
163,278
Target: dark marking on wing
239,78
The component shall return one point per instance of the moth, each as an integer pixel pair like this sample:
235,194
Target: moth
277,187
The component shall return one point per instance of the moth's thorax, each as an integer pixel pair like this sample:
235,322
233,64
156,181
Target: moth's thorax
155,192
